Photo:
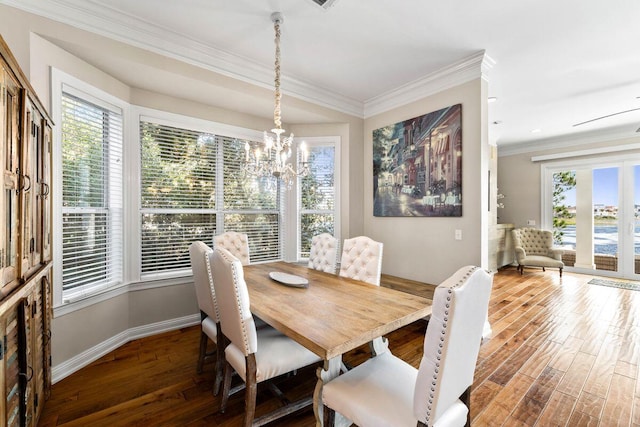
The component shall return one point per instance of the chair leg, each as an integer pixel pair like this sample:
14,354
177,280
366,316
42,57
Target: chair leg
220,345
543,269
560,271
329,416
203,351
521,269
226,387
466,399
250,391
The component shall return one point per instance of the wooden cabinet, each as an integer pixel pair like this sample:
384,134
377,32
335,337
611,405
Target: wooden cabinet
25,247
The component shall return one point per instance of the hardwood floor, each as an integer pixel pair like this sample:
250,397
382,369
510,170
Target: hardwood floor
562,353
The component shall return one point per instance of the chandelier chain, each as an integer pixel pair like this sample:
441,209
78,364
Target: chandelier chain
272,158
277,114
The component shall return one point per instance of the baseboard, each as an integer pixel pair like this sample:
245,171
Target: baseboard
68,367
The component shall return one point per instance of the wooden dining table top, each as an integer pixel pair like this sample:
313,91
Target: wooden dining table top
333,314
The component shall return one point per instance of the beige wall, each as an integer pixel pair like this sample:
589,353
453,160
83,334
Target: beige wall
423,248
519,178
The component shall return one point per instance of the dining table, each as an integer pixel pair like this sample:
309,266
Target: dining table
329,314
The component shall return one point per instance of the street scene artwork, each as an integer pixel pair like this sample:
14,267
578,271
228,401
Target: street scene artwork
417,166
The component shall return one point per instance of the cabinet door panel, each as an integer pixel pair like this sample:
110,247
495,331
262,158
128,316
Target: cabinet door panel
25,333
3,137
47,316
45,191
30,246
11,137
38,312
13,391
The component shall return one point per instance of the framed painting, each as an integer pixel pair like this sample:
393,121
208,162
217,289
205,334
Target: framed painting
417,166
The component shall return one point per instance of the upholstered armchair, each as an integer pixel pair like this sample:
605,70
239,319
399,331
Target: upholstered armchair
534,248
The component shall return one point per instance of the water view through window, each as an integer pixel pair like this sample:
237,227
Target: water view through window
611,209
605,238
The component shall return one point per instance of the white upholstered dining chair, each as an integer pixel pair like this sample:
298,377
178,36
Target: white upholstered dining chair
199,253
257,355
362,259
386,391
234,242
324,253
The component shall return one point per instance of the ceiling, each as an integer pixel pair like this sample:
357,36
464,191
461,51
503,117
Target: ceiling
557,63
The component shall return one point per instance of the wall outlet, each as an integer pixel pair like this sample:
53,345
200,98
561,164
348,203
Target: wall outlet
458,234
531,222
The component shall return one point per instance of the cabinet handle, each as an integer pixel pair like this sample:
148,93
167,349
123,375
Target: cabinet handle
28,378
23,178
28,178
44,192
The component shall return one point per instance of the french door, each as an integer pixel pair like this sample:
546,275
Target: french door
593,208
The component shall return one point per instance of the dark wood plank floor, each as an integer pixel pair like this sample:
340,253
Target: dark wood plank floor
563,353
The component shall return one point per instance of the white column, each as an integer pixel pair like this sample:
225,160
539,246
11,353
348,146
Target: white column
584,219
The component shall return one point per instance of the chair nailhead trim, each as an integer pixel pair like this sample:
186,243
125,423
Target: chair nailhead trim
213,291
245,337
442,339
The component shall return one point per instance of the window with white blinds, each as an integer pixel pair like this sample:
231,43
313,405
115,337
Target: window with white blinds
193,187
92,202
251,205
178,194
317,213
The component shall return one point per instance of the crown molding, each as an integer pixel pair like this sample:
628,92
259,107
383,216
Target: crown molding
91,16
475,66
567,141
99,19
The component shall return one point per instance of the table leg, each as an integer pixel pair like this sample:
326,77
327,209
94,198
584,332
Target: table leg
379,346
329,371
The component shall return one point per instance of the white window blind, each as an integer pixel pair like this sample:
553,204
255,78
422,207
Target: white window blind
92,214
178,187
318,196
251,205
193,187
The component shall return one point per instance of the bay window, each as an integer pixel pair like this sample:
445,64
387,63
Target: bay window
138,186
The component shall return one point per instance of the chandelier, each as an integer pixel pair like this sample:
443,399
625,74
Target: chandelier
272,159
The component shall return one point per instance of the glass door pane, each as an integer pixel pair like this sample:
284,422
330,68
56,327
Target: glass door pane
564,214
605,218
